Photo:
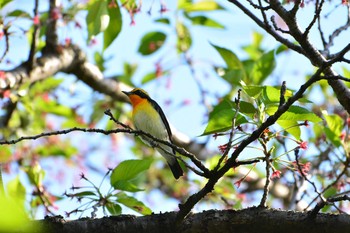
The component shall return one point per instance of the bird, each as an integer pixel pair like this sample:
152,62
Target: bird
149,117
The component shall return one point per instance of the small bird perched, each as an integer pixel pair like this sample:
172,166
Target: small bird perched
149,118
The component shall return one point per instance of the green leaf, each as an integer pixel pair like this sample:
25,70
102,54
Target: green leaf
267,94
291,127
97,19
247,108
84,194
129,71
5,154
163,20
252,91
233,77
263,67
114,26
271,95
16,190
335,126
184,40
127,185
133,203
4,3
235,71
59,149
205,5
151,42
51,106
230,58
46,85
19,13
35,174
220,119
254,49
129,169
13,216
113,208
295,113
148,77
99,60
205,21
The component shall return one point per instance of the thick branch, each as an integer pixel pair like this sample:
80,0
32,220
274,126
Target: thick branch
312,53
242,221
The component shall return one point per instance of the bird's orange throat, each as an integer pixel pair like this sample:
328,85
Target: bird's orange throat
136,100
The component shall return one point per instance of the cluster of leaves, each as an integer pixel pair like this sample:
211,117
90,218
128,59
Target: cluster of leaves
126,177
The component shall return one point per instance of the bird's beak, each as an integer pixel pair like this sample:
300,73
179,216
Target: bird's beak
126,93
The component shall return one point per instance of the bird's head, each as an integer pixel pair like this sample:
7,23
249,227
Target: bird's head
137,95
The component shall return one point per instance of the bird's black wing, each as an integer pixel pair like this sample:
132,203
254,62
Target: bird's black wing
162,116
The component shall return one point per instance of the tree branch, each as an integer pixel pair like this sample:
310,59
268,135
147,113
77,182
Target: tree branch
242,221
215,176
268,29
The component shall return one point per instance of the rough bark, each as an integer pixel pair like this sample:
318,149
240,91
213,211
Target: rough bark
247,220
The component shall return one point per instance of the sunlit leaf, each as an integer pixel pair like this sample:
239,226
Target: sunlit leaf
63,148
5,153
230,58
16,190
247,108
266,94
13,216
254,49
113,208
252,91
46,85
295,113
97,19
4,3
163,20
205,21
129,5
114,26
205,5
19,13
133,203
51,106
35,174
148,77
220,119
151,42
127,185
84,194
99,60
184,40
291,127
263,67
334,127
129,169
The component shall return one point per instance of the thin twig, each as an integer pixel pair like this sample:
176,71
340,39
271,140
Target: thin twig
268,176
232,132
269,30
31,56
283,93
318,9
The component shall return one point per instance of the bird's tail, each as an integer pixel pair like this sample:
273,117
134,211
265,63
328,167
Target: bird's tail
172,162
176,168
